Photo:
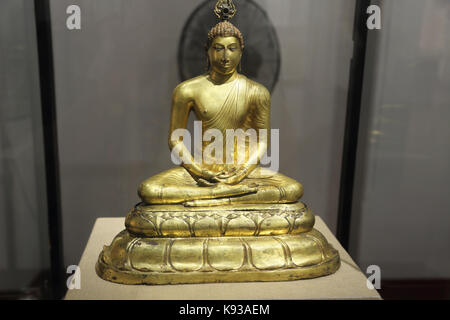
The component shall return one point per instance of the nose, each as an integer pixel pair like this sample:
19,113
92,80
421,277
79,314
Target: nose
225,57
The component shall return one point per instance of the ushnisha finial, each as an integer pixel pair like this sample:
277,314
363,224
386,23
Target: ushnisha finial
225,9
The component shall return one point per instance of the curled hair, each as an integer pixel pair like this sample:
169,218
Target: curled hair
224,29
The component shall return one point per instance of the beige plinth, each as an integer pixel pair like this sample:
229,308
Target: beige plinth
347,283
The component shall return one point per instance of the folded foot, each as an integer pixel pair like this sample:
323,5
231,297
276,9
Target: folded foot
208,202
222,194
224,190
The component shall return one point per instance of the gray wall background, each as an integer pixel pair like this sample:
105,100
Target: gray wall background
114,80
24,246
401,216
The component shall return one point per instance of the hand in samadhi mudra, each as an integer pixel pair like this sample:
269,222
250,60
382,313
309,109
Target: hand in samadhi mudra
221,99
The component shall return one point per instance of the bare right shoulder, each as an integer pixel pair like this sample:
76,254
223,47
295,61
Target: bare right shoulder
186,90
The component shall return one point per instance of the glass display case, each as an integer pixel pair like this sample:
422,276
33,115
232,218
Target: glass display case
362,108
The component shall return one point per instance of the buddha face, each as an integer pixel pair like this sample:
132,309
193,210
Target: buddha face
225,54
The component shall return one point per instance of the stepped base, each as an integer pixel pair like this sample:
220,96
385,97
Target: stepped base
178,221
134,260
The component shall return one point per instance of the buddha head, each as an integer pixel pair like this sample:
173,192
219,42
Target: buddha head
224,48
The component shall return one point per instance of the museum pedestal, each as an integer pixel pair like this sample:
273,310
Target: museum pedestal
347,283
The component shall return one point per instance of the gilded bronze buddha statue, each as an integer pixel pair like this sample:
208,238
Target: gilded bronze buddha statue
222,99
220,217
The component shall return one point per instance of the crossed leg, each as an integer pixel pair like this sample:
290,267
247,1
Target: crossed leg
261,186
